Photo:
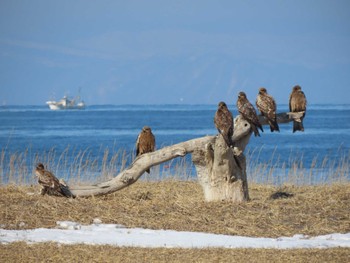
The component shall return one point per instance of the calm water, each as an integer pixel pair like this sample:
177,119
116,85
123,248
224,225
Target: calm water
38,131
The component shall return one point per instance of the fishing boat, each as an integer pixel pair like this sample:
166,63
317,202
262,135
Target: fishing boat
67,104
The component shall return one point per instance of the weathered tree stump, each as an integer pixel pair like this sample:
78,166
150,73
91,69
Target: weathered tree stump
221,170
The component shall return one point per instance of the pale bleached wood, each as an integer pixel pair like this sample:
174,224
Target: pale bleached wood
139,166
221,170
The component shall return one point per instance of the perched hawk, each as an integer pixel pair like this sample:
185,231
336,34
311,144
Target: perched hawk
145,142
223,121
267,107
246,109
49,183
297,103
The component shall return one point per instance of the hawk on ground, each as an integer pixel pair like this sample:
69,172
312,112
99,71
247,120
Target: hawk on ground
223,121
267,107
145,142
297,103
49,183
246,109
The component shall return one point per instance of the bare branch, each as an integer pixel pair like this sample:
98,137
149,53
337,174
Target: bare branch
283,117
139,166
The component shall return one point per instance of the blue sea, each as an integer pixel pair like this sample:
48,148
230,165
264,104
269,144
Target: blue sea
98,134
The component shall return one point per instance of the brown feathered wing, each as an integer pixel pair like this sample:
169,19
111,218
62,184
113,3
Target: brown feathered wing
297,103
267,107
246,109
145,143
50,184
224,123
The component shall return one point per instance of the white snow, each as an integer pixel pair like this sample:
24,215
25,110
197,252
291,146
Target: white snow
68,232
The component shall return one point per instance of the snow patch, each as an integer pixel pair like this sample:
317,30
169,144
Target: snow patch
68,232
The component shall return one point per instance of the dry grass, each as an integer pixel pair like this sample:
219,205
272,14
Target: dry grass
296,171
179,205
86,166
50,252
72,165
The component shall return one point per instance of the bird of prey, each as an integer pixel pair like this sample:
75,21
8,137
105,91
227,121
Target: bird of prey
297,103
246,109
223,121
267,107
145,142
49,183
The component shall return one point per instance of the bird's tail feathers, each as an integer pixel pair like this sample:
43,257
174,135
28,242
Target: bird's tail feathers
298,126
64,189
256,131
274,126
260,127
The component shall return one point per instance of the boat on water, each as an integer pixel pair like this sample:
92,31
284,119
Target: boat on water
67,104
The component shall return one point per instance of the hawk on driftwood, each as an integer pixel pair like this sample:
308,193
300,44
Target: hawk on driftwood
145,142
267,107
223,121
297,103
246,109
50,184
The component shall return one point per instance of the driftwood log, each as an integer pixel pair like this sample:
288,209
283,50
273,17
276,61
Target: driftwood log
221,170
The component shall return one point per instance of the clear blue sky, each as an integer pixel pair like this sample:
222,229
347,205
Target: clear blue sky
161,52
